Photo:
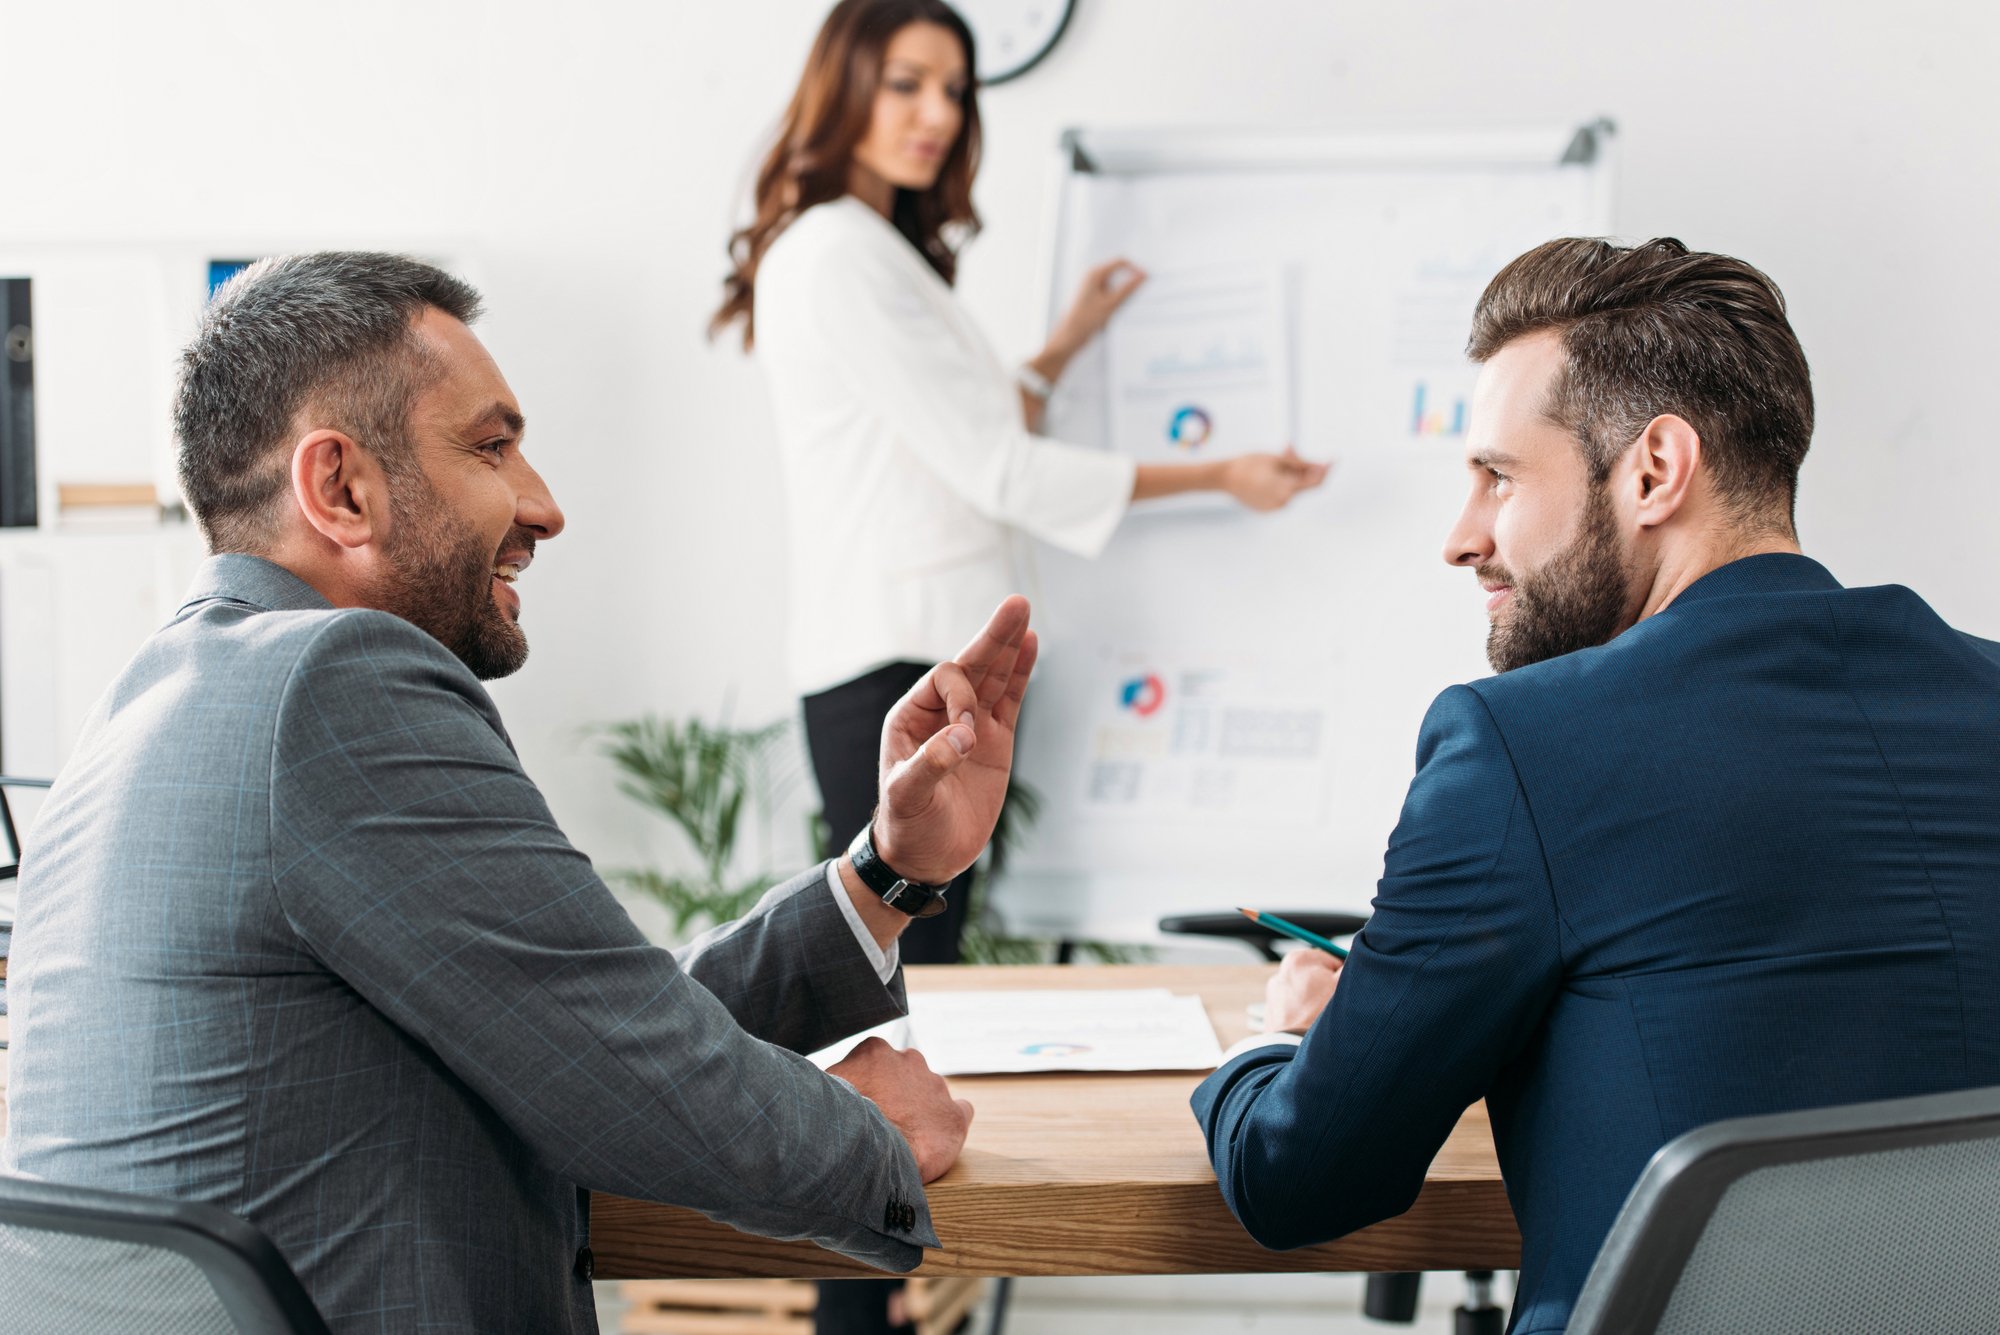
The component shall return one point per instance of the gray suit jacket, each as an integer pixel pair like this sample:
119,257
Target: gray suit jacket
298,937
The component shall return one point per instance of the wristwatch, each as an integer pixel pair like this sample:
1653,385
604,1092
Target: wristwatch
1037,384
898,892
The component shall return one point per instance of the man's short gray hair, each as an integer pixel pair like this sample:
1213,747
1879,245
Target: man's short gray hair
331,333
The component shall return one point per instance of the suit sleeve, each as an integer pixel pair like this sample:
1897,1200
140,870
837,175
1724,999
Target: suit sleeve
1444,987
414,857
792,971
938,397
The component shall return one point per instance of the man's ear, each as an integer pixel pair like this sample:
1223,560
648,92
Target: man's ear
1665,459
340,488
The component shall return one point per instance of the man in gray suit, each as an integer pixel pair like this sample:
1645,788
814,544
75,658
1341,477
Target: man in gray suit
298,937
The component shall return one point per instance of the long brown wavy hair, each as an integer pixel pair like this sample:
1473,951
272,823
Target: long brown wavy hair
828,116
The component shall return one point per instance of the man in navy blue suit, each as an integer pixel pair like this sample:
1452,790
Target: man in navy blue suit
1722,838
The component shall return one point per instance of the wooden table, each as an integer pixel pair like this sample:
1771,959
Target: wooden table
1093,1175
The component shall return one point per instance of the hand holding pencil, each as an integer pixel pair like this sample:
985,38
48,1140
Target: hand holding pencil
1305,980
1285,927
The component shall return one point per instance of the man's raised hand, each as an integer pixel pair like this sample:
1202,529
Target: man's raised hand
947,748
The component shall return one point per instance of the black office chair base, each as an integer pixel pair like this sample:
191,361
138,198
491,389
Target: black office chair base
1392,1296
1480,1315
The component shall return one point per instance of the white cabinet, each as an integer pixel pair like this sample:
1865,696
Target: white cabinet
74,608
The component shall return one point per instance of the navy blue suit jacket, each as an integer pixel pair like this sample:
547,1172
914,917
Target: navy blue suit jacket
1742,859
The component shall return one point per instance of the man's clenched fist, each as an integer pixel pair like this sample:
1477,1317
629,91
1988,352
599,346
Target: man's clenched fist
914,1099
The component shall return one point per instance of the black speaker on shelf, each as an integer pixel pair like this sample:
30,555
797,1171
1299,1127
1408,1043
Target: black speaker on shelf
17,405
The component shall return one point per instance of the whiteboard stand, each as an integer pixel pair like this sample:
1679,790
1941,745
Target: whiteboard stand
1227,708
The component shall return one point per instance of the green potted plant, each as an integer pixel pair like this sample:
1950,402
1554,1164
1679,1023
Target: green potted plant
706,779
709,779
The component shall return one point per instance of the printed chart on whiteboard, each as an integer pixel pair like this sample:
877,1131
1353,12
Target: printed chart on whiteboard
1201,741
1229,699
1431,314
1200,365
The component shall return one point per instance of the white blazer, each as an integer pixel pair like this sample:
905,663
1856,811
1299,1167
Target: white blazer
908,471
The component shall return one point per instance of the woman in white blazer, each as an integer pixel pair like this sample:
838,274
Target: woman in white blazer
912,468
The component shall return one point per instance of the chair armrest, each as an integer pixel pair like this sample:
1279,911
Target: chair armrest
1236,927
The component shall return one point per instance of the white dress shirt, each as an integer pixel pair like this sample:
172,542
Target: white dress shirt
908,469
1236,1049
887,961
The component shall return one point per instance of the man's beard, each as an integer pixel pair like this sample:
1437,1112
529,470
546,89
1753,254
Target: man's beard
440,580
1577,600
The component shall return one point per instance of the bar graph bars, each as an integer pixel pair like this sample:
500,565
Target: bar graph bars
1443,418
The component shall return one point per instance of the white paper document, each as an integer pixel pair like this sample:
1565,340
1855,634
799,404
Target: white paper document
1200,366
1434,306
994,1033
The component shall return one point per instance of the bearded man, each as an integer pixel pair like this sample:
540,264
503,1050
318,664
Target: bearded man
298,937
1723,838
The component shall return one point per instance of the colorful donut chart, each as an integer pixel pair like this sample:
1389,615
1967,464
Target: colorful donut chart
1189,428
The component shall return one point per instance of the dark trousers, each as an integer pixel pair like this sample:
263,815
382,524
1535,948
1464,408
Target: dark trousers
844,739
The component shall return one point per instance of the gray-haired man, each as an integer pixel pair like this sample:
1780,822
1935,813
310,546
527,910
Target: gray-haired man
298,937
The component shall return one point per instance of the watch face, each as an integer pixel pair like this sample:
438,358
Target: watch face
1013,35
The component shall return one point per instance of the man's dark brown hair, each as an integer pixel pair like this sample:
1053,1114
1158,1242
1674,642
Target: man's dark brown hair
1656,328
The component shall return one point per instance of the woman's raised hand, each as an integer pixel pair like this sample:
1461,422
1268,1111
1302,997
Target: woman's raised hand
1104,289
1269,481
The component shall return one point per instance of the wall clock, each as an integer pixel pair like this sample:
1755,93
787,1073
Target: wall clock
1013,36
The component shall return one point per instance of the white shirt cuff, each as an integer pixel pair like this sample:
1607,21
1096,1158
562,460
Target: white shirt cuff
1255,1041
886,962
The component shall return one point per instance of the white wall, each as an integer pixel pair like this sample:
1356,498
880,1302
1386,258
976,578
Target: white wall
589,154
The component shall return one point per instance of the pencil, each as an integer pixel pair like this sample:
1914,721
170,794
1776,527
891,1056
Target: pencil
1296,932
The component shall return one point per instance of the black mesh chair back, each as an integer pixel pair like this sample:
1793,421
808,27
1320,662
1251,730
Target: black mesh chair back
1871,1217
80,1262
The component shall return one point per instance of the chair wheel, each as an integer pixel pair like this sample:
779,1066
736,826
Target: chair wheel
1393,1296
1485,1321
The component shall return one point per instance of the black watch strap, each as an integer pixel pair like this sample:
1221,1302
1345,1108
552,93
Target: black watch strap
905,896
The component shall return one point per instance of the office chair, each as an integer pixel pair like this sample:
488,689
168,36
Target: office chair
74,1261
1388,1297
8,871
1236,927
1874,1216
12,867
